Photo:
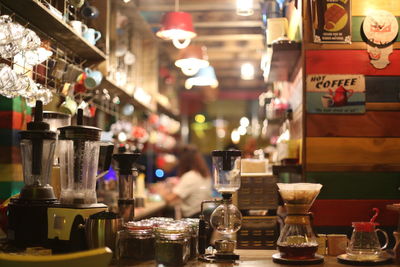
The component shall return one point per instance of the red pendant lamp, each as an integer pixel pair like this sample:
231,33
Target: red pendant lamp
178,27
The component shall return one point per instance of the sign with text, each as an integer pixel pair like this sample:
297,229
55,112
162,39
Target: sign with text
336,94
331,21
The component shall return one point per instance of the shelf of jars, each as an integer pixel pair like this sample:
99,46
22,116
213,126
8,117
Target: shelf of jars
52,21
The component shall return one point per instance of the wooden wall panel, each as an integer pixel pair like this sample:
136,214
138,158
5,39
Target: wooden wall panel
348,62
352,154
346,185
344,212
370,124
363,7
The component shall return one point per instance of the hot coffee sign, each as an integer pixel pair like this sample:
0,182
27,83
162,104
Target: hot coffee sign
337,93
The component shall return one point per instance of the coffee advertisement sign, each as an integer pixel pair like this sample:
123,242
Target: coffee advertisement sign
331,21
335,94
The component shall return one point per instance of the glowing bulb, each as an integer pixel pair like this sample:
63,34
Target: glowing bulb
159,173
244,7
247,71
242,130
200,118
122,137
244,122
235,136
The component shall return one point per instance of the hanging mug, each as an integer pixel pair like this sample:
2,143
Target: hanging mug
89,11
92,36
93,78
77,3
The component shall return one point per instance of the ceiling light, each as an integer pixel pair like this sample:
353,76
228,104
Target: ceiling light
244,122
192,58
247,71
244,7
235,136
200,118
178,27
204,77
242,130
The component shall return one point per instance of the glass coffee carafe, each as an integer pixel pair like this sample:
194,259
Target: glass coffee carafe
297,239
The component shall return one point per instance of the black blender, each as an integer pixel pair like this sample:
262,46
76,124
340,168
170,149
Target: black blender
127,174
79,148
27,213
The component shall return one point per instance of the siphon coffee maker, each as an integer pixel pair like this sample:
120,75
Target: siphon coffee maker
27,214
226,219
127,174
79,148
297,241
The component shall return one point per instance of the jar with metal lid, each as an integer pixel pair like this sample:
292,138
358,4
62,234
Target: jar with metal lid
193,224
136,242
157,221
172,247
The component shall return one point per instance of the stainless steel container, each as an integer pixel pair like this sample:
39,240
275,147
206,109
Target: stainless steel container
101,230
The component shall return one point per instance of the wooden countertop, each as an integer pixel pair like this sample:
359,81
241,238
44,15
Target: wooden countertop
256,258
149,209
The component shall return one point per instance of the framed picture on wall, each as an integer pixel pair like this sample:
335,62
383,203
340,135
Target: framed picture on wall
331,21
335,93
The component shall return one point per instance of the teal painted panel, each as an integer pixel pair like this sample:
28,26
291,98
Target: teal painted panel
357,185
8,189
17,104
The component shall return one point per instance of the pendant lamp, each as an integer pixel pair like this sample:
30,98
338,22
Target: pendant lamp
191,59
205,77
178,27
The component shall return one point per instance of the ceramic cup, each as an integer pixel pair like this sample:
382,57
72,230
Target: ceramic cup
77,3
78,26
337,244
69,106
92,36
72,73
93,78
89,11
327,101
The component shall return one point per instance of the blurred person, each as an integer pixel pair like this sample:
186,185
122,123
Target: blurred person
193,185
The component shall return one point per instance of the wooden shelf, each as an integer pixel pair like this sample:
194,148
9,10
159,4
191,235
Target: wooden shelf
283,61
167,111
40,16
123,95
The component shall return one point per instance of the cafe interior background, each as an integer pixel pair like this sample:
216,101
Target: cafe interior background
274,87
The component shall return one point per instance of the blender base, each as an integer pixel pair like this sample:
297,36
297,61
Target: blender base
277,258
219,257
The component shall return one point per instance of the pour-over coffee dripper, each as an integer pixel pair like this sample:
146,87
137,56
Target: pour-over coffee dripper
297,240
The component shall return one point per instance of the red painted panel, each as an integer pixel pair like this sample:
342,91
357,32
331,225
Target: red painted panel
348,62
344,212
13,120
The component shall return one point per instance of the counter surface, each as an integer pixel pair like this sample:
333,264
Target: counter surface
255,258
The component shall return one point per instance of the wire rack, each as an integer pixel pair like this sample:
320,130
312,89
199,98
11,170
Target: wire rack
45,73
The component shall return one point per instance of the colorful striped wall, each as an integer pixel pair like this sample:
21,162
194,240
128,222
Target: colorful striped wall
14,114
355,157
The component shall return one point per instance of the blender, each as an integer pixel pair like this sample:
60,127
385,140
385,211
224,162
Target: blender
297,242
226,219
127,174
27,213
79,148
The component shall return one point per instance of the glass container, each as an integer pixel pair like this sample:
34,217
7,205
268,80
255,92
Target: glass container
79,156
37,152
226,170
136,241
226,218
172,247
297,239
193,225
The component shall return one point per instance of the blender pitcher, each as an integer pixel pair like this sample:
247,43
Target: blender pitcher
79,156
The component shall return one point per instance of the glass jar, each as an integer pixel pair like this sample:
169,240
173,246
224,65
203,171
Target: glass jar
136,242
193,224
172,247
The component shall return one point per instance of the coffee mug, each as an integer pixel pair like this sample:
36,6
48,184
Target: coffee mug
92,36
327,101
69,106
78,26
89,11
337,244
77,3
72,73
93,78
